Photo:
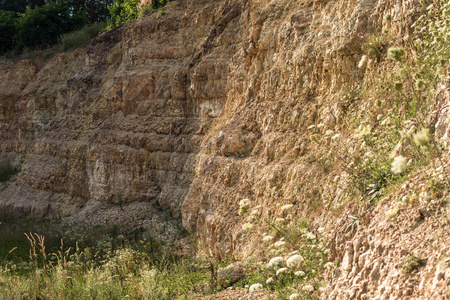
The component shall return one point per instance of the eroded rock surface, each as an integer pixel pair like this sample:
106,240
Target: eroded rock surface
184,115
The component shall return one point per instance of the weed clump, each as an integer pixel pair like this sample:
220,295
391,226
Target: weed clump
396,53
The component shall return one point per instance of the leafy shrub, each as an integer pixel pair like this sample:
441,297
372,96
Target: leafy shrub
122,11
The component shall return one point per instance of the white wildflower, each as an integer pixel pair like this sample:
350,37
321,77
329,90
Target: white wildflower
399,164
393,212
329,132
294,297
244,202
386,121
294,261
321,230
308,288
422,138
300,273
279,244
362,131
276,261
255,212
267,238
280,221
247,226
282,270
363,62
255,287
243,206
310,236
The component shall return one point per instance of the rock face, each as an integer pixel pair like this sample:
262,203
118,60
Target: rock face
115,124
184,115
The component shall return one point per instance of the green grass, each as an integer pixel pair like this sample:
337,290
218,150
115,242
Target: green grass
96,263
81,38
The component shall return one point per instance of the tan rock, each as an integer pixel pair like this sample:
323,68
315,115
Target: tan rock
230,274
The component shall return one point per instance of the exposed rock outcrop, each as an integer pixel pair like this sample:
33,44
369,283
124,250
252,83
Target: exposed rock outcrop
186,114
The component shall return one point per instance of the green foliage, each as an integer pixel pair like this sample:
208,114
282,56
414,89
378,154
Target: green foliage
95,10
82,37
159,3
17,6
44,25
411,264
285,278
375,47
7,30
160,13
122,11
97,263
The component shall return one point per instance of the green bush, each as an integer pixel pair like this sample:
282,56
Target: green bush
82,37
123,11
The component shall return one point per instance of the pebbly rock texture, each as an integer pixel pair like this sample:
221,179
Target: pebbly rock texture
393,256
180,117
